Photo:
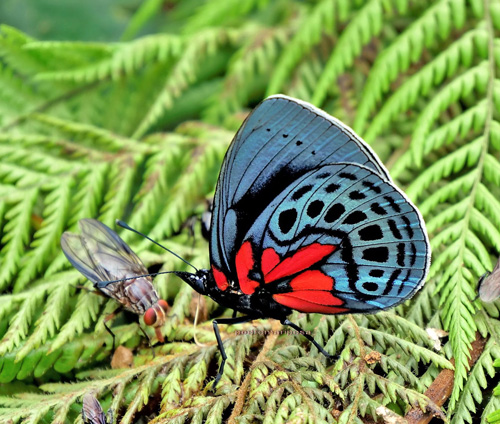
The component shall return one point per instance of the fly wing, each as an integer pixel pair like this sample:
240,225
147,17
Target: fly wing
489,285
96,233
100,254
92,412
73,247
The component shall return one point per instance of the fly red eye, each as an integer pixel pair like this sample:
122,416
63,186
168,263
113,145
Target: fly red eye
163,304
150,317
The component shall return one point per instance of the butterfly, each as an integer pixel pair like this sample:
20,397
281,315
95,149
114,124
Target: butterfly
116,271
92,412
306,218
489,285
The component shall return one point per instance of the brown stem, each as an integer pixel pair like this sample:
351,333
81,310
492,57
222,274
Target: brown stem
441,388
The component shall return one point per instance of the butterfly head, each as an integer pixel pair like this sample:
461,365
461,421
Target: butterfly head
155,317
198,281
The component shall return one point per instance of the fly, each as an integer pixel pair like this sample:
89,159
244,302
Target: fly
92,412
116,271
489,285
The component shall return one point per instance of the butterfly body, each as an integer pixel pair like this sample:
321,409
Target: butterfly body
258,304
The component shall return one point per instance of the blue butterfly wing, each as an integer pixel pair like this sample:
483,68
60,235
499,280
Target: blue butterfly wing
279,142
379,252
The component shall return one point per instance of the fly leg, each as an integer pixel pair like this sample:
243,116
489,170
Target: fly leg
109,318
145,335
308,337
237,320
97,292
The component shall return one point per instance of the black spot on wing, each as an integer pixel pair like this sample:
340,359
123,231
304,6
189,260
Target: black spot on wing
372,186
301,191
355,218
390,282
372,232
376,208
356,195
408,228
332,188
286,220
392,203
403,281
401,254
323,176
315,208
394,229
376,273
376,254
348,176
413,256
370,286
350,267
334,212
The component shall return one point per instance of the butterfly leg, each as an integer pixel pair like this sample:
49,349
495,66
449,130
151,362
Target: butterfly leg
237,320
307,336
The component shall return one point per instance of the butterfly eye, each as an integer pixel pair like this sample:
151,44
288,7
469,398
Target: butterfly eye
163,304
150,317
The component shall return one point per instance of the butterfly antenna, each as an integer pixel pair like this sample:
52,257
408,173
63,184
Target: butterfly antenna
101,284
127,227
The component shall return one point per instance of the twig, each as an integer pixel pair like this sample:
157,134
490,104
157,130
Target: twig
243,390
440,389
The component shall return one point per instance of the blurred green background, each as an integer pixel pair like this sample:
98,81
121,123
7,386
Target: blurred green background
90,20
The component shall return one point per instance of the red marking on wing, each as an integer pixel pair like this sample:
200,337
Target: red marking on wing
311,280
311,301
220,279
269,260
244,264
304,258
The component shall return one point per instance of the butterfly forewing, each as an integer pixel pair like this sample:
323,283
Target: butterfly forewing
280,141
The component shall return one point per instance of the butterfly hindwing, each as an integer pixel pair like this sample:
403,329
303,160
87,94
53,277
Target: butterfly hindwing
345,233
280,141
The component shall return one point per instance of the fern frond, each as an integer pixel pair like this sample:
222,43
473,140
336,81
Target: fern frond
313,26
445,65
366,24
434,24
183,73
46,239
122,60
16,236
472,394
